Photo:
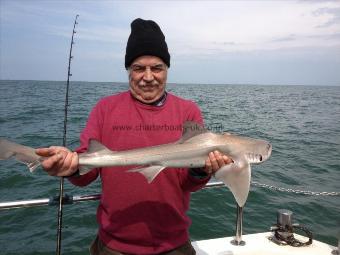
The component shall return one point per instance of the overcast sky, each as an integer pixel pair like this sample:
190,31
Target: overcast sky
228,42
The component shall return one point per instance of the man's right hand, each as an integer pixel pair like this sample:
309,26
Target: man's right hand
59,161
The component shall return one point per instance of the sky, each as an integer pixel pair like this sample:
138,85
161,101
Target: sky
224,42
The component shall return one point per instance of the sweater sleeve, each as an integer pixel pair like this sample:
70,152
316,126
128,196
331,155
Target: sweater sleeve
189,181
92,130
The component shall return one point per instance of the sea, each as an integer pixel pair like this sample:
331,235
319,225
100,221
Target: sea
301,122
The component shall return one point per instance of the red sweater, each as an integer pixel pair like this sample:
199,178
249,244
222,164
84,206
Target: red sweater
134,216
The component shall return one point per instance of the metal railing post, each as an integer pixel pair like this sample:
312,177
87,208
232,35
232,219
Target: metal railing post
238,236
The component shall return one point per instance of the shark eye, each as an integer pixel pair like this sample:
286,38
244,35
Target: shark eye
254,158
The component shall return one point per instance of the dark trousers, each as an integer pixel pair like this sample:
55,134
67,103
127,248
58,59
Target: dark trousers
98,248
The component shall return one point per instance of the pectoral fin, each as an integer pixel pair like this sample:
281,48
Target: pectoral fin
236,177
84,169
149,172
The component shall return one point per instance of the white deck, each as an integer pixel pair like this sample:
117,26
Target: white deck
258,244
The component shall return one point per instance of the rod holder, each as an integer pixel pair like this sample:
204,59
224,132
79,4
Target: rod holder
239,219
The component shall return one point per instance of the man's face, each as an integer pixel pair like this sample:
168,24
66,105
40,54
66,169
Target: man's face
147,78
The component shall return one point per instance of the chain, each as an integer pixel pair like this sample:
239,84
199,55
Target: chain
285,236
296,191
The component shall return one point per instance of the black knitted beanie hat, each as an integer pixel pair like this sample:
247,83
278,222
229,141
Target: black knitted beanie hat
146,38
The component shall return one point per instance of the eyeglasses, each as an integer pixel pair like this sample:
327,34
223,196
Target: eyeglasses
141,69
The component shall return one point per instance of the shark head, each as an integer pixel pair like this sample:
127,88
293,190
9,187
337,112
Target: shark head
262,153
255,151
244,151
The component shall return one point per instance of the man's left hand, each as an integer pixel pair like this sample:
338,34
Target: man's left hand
215,161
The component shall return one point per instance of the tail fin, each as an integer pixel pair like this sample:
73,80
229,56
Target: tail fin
21,153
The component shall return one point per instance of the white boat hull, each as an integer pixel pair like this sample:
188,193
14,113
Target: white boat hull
259,244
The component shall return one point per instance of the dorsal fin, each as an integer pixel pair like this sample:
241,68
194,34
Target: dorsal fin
95,146
191,129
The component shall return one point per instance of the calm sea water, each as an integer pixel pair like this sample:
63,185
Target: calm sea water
302,123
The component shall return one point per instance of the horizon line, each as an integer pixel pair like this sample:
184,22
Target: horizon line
184,83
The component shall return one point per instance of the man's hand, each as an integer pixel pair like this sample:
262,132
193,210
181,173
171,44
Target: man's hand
59,161
215,161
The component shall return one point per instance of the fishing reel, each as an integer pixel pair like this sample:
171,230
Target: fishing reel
284,230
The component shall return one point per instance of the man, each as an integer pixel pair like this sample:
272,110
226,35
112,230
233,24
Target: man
135,217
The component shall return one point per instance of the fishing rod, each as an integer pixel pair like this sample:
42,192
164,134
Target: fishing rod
61,183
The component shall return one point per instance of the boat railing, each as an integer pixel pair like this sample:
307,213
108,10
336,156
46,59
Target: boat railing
68,199
71,199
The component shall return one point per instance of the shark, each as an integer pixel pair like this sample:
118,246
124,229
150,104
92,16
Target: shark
190,151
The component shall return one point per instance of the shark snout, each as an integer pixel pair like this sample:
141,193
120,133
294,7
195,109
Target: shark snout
266,155
269,148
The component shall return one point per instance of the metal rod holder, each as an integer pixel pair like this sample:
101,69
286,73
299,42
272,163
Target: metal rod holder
239,219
